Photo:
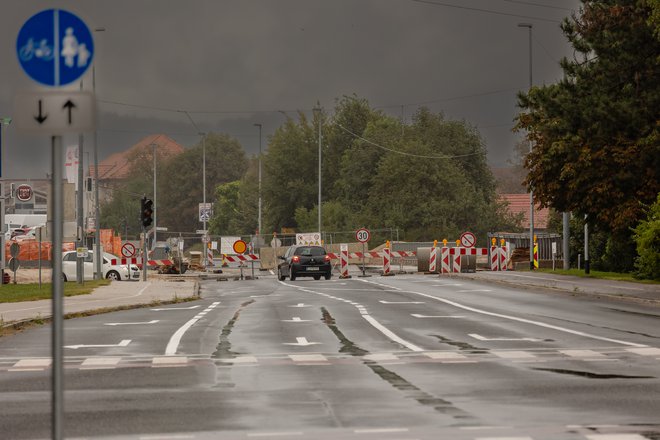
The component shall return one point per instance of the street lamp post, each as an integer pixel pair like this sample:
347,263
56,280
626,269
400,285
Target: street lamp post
531,191
3,122
155,201
259,218
317,111
97,211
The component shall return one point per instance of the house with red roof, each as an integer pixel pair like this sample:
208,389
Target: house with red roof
519,203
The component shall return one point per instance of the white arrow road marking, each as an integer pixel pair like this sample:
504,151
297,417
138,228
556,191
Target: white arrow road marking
301,305
132,323
176,308
123,343
401,302
483,338
296,319
302,342
416,315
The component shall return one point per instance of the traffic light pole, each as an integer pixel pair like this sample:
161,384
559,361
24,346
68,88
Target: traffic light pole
144,253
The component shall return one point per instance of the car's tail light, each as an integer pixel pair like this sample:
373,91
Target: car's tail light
296,259
326,258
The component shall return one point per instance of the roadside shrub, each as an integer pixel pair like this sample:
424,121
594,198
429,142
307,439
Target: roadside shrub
647,237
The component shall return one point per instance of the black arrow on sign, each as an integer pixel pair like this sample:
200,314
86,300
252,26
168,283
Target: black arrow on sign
69,105
41,118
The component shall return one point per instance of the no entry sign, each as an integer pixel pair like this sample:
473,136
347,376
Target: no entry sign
468,239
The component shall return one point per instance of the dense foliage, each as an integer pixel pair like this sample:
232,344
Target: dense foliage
595,133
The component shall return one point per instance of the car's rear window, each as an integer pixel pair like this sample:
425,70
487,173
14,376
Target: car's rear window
311,251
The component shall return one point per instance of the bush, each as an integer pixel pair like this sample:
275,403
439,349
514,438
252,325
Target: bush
647,237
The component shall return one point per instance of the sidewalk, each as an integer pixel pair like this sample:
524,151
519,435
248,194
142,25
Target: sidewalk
649,293
118,293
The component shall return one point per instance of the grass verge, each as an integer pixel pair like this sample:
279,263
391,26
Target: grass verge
32,292
596,274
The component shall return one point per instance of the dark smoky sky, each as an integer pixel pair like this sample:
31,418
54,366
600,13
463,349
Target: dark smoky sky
233,63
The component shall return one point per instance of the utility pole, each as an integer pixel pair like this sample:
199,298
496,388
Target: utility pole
317,111
259,219
531,191
80,262
155,199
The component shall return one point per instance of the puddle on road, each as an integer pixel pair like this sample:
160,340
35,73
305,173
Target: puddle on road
591,375
410,390
223,349
461,345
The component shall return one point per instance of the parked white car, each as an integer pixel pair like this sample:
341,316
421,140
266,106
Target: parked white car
110,271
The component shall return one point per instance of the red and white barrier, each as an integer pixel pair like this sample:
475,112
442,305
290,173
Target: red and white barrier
240,258
209,257
433,260
456,260
503,257
343,251
494,258
138,261
387,258
445,264
393,254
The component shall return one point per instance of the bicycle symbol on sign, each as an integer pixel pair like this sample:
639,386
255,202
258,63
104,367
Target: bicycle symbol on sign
42,51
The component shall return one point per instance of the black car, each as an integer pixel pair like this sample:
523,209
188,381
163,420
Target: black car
304,261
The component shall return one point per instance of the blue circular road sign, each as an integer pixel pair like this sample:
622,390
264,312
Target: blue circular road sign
55,47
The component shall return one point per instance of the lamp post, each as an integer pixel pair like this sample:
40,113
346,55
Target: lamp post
153,245
259,218
97,212
317,111
531,191
3,122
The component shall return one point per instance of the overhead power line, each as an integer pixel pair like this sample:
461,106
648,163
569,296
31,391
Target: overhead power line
488,11
404,153
540,5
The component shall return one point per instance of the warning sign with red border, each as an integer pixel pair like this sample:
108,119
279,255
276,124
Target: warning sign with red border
468,239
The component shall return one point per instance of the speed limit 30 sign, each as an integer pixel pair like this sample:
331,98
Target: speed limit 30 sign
362,235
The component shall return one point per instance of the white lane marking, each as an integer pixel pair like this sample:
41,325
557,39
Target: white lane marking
504,438
367,317
301,305
169,361
616,437
100,363
513,354
648,351
241,360
582,353
175,308
381,357
174,341
444,355
384,330
474,290
32,363
400,302
301,342
166,437
379,430
447,285
153,321
483,338
526,321
416,315
308,358
274,434
123,343
296,319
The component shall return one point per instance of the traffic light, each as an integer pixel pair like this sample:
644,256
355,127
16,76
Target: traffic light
146,212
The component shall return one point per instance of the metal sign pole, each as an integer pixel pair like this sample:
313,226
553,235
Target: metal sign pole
363,272
57,206
144,253
40,257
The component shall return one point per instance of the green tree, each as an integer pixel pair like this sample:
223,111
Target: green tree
647,237
181,192
595,133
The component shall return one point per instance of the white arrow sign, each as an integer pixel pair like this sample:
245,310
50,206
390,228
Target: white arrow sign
401,302
123,343
302,342
295,319
175,308
131,323
55,113
483,338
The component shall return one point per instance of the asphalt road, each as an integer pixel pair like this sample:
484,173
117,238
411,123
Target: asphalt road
405,357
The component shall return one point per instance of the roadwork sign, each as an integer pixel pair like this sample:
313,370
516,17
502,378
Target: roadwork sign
55,113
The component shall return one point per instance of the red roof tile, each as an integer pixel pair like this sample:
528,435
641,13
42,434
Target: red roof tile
520,203
117,166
